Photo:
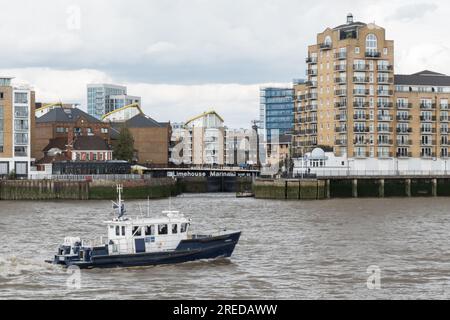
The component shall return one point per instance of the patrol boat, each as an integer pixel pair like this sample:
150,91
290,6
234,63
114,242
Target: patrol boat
146,241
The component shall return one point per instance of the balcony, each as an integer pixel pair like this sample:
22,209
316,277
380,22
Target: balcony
404,105
311,72
383,68
385,80
311,96
340,130
373,54
404,130
361,80
340,68
427,106
385,129
384,118
404,118
385,154
362,117
443,119
340,55
340,80
361,67
427,119
428,155
340,105
311,107
340,92
444,106
340,142
427,131
385,142
360,142
385,92
311,84
360,92
360,129
311,60
361,105
325,46
341,117
385,105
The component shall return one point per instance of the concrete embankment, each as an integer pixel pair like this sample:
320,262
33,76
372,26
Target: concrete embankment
352,188
95,190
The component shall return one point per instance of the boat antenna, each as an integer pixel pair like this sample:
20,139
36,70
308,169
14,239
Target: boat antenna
120,206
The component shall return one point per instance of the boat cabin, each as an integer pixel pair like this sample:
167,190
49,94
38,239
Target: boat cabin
143,235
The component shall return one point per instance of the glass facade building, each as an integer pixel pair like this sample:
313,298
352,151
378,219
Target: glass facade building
105,98
276,111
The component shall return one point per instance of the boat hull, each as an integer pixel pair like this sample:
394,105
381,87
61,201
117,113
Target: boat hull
200,248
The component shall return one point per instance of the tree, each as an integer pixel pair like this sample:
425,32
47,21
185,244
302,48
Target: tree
124,148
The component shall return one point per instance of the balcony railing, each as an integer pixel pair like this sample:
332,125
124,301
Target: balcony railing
361,67
340,80
404,155
361,105
427,119
311,60
427,106
311,72
385,142
340,105
340,67
404,105
385,92
360,92
312,84
340,55
384,118
340,130
385,129
361,129
404,118
404,130
373,54
340,92
385,68
385,105
325,46
362,117
361,80
385,80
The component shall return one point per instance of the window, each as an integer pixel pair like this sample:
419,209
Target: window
117,231
123,231
162,229
184,227
385,51
174,229
371,43
150,230
20,97
1,95
137,232
59,129
21,168
4,168
356,50
104,130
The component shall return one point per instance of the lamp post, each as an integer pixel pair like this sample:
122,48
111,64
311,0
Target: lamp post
255,127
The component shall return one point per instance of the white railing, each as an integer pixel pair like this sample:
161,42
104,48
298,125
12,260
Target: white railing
378,173
89,177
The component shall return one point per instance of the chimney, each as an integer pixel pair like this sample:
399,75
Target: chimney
349,18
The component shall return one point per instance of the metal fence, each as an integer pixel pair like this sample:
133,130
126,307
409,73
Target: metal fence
380,173
109,177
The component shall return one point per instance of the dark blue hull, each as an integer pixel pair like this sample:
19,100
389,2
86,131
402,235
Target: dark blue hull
188,250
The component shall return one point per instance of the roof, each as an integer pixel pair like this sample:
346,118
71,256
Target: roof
142,121
212,112
59,143
134,105
90,143
50,159
65,115
423,78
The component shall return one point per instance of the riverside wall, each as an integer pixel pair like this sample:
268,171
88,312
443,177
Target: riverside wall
352,188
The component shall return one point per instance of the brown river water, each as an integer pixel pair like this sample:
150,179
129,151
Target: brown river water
288,250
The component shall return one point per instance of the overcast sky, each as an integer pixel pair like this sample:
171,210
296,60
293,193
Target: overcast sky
188,56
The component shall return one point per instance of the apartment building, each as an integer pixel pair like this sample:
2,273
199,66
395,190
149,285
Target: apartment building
347,102
276,111
105,98
199,141
16,127
422,115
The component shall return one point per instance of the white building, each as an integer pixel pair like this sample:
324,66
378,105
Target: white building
123,114
322,163
200,141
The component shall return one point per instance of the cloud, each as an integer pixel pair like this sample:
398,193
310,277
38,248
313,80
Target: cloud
411,12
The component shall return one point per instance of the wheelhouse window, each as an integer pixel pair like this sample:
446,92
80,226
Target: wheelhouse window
137,232
162,229
184,227
123,231
174,229
150,230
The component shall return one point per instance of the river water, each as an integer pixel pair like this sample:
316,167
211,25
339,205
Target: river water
288,250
